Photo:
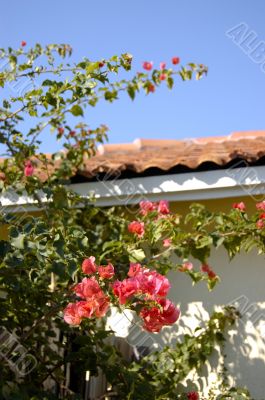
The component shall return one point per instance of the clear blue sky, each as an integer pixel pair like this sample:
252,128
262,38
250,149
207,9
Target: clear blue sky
231,98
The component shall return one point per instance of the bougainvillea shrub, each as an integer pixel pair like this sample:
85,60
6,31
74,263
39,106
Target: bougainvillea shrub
62,267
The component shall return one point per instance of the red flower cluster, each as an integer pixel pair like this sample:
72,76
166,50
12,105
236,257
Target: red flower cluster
136,227
95,303
151,87
28,169
206,268
165,313
89,267
148,65
147,206
141,281
142,287
60,131
261,206
186,266
260,224
175,60
193,396
239,206
106,272
23,43
150,288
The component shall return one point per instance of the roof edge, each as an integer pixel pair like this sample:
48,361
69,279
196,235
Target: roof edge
177,187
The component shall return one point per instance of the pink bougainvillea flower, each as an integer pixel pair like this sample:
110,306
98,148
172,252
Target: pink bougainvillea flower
162,65
163,207
211,274
186,266
142,281
97,306
60,130
260,224
101,305
88,288
125,289
193,396
28,169
137,228
88,266
147,206
23,43
84,309
205,268
162,77
156,317
167,242
239,206
175,60
150,316
261,205
134,269
148,65
106,272
153,283
151,88
71,314
170,313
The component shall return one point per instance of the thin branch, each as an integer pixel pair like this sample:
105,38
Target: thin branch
13,114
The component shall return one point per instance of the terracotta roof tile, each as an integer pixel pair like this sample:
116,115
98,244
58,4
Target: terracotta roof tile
153,157
247,135
143,154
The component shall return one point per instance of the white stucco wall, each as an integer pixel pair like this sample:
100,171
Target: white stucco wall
242,282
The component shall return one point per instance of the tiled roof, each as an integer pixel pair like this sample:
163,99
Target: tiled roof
151,157
154,157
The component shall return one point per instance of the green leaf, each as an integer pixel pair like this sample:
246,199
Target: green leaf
211,283
131,92
170,82
91,67
192,65
47,82
111,244
110,96
18,241
77,110
204,242
136,255
58,268
13,61
114,58
219,241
